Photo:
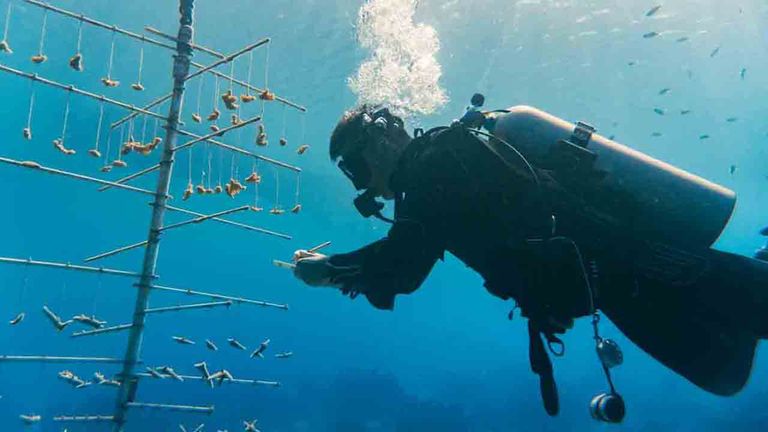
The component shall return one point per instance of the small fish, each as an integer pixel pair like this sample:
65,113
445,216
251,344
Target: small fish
743,73
689,73
714,52
250,426
612,137
259,352
649,35
632,63
30,419
288,354
651,12
685,111
732,169
234,343
183,340
659,111
664,91
656,134
18,319
703,136
731,119
211,346
681,39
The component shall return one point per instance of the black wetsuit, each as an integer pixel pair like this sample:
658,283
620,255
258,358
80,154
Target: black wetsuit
700,313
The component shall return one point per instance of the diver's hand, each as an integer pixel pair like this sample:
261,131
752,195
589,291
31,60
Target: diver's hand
313,269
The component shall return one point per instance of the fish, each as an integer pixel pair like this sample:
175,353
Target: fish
689,73
652,11
685,111
664,91
703,136
211,346
731,119
250,426
649,35
18,319
743,72
732,169
659,111
234,343
288,354
30,419
259,352
714,52
682,39
656,134
183,341
632,63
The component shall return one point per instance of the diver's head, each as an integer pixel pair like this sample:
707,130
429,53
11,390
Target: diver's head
369,141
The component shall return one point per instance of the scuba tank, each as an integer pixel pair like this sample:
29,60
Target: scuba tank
655,200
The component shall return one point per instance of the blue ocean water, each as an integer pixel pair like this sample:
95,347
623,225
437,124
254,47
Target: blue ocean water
447,359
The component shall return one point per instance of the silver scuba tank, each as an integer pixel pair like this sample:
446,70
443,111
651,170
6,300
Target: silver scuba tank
651,198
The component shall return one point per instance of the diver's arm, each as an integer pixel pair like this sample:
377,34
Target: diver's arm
396,264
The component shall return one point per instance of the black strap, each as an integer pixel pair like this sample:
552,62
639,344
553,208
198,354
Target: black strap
541,365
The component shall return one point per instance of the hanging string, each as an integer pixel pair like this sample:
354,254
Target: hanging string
210,157
277,188
199,92
42,33
266,80
144,130
303,128
298,189
122,139
232,167
66,117
154,130
111,56
250,68
141,61
109,147
79,37
256,186
231,75
216,93
189,159
282,135
31,105
130,130
221,164
7,20
98,127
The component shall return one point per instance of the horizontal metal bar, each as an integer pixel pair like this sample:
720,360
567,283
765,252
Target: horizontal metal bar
116,251
233,381
219,132
204,218
83,418
93,332
132,176
73,89
320,246
175,39
169,407
96,23
219,296
228,58
241,151
229,222
152,104
55,359
188,307
68,266
36,166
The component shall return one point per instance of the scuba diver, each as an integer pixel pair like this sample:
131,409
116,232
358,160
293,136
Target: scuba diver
564,222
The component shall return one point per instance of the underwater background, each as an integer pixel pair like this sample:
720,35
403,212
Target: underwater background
447,359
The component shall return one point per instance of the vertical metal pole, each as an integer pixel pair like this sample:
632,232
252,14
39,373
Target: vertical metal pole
127,392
